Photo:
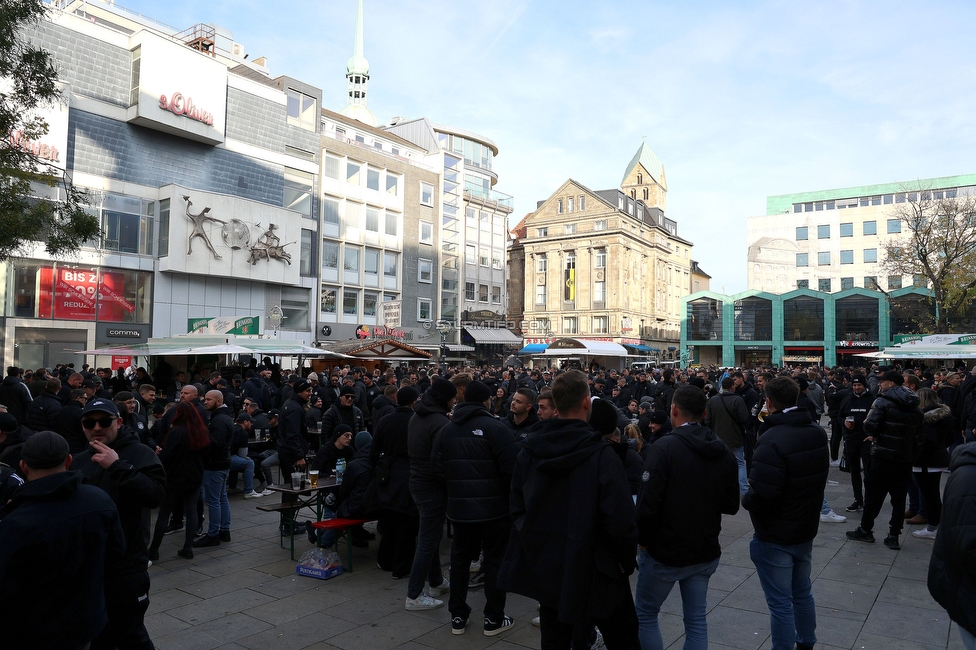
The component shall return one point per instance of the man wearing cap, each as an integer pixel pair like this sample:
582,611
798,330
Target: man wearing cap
293,435
852,412
344,411
475,455
59,539
134,478
891,426
427,491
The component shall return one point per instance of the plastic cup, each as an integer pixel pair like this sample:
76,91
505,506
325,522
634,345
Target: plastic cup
296,480
313,477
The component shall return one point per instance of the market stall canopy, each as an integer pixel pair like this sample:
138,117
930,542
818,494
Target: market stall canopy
534,348
203,344
379,350
639,350
918,351
563,347
459,348
492,336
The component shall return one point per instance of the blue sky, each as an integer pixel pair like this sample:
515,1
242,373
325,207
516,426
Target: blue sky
740,100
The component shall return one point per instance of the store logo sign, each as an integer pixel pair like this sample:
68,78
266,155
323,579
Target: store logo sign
180,105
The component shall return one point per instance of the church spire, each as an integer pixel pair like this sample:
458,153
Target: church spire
357,79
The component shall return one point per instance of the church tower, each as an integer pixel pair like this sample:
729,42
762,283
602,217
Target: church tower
357,79
644,179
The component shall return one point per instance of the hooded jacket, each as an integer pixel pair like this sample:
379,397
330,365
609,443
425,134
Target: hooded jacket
786,484
690,480
338,414
293,429
475,453
430,414
42,415
10,447
952,569
135,482
388,451
573,524
58,539
939,428
894,421
382,406
521,430
15,396
216,457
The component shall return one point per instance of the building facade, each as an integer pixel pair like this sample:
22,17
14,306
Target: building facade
203,170
605,265
834,240
800,327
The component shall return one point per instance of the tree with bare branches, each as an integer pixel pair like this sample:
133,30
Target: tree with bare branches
937,245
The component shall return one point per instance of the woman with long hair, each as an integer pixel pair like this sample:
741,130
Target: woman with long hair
182,457
499,403
938,432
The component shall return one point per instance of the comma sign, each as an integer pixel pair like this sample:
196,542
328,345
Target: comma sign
180,105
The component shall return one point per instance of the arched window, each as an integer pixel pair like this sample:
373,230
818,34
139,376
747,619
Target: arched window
640,178
633,194
646,193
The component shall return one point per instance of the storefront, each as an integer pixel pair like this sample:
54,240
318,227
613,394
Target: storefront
750,356
803,355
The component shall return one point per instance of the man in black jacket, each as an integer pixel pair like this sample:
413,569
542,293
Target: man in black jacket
15,395
475,454
786,487
851,413
344,411
42,415
293,437
426,490
521,412
952,573
891,426
573,535
216,466
134,478
727,415
689,482
58,541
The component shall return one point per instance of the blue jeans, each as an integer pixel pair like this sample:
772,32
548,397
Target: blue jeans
740,458
825,507
784,572
427,559
654,583
215,496
246,467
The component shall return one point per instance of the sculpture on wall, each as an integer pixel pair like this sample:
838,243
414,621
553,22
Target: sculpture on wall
236,234
198,220
269,247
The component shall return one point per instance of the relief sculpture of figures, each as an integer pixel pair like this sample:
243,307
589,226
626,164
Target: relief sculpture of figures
198,231
269,247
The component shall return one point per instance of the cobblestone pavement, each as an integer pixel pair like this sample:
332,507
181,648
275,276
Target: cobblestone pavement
245,594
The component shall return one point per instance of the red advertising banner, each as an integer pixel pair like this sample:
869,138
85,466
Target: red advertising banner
71,294
121,362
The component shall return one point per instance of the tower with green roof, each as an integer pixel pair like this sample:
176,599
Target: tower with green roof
644,178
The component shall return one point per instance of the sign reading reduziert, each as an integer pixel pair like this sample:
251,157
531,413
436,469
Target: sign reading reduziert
181,91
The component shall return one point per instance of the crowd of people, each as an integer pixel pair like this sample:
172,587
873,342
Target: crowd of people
557,484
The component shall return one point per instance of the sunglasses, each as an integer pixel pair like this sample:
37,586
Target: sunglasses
103,422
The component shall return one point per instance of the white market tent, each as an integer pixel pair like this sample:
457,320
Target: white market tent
917,351
216,344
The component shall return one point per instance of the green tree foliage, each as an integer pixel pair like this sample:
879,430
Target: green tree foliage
28,81
937,247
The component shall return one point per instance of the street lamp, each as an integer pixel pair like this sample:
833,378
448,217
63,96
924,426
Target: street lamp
445,328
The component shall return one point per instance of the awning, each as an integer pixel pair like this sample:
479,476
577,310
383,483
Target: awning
566,347
491,336
452,347
188,344
638,350
534,348
380,350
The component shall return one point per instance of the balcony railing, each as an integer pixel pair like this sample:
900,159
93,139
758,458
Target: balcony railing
491,198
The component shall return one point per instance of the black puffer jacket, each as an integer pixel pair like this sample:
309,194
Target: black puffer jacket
521,430
351,416
475,454
430,415
136,481
43,412
952,569
292,429
573,524
217,454
789,473
15,396
894,420
690,480
938,431
388,455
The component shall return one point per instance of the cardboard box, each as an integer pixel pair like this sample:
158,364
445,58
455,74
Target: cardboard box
318,572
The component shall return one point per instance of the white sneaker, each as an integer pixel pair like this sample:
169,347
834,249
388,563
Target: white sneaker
925,533
599,642
537,621
266,492
475,566
442,588
832,518
422,602
254,495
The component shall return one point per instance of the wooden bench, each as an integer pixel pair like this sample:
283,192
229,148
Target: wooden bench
344,528
290,508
